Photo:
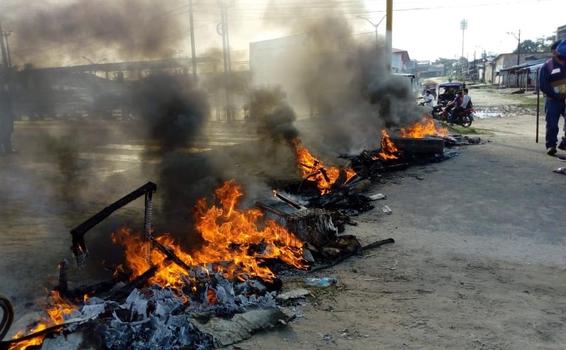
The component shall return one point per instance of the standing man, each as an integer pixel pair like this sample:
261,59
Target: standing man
552,82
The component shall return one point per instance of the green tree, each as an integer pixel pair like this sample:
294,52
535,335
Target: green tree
528,46
541,44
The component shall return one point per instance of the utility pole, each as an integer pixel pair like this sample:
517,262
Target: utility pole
519,48
518,37
389,33
463,26
222,30
375,25
476,75
6,42
193,49
518,53
5,55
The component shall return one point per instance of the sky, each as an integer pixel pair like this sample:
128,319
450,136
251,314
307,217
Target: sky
427,29
432,29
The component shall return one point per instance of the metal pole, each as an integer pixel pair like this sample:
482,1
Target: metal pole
193,48
463,37
9,56
376,40
375,26
221,29
5,62
538,104
463,26
389,34
229,57
518,55
227,31
148,217
519,48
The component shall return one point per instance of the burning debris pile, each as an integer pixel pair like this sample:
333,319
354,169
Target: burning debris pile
313,170
166,296
167,291
338,190
421,142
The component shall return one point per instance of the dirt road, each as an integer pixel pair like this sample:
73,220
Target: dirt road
478,264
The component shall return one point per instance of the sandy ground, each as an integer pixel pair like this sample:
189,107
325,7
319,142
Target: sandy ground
478,261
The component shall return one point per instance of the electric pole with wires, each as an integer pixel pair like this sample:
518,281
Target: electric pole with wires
193,45
223,30
463,27
4,48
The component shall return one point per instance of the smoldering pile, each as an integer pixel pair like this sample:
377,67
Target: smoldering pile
154,317
163,296
352,106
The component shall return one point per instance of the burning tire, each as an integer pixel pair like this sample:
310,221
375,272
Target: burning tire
7,316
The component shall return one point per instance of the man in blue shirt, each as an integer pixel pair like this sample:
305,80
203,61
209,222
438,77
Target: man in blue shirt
552,82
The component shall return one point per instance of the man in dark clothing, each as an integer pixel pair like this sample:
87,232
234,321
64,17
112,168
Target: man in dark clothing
552,82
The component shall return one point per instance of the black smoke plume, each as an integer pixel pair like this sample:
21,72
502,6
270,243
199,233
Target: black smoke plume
272,113
107,29
173,112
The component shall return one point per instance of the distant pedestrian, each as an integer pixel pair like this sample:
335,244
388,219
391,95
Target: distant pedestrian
552,82
428,99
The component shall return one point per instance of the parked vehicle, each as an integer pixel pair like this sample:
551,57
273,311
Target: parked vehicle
447,92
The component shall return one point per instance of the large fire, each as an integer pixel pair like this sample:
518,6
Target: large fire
425,127
235,244
388,150
314,170
56,316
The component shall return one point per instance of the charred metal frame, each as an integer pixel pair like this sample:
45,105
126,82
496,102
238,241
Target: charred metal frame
79,247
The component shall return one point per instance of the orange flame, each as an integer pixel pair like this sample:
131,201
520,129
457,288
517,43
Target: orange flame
314,170
233,235
211,296
423,128
388,149
140,257
233,243
56,313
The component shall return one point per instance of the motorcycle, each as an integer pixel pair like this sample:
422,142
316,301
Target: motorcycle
437,112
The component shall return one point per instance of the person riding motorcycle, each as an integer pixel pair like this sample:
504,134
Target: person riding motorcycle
459,106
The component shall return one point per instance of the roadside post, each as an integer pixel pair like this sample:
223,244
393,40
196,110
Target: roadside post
538,102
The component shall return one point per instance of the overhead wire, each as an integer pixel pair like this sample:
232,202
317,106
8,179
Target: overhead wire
295,8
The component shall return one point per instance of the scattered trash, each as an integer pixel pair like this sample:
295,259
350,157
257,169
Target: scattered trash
377,196
293,294
560,171
327,338
307,255
387,210
321,282
240,327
